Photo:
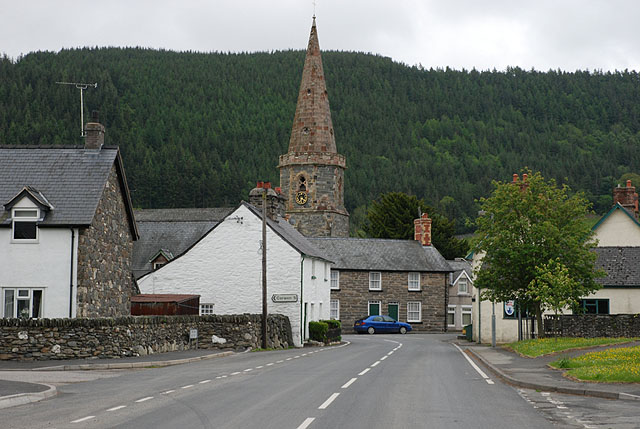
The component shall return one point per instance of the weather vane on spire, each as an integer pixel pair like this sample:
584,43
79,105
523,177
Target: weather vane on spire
314,8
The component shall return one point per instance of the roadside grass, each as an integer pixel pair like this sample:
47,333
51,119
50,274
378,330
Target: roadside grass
619,365
545,346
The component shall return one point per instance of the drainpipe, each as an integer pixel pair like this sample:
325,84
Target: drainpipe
302,315
73,239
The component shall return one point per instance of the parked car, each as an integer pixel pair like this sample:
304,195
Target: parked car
382,324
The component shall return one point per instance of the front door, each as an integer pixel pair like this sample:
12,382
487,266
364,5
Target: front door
393,310
374,308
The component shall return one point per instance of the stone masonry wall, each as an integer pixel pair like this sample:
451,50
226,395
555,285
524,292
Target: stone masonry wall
593,325
354,296
105,283
46,339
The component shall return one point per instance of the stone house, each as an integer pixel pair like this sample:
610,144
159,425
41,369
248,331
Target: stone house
66,231
405,279
459,309
224,267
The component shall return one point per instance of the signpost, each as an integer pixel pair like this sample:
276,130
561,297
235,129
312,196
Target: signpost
284,297
193,335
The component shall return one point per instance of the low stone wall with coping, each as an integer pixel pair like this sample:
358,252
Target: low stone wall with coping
46,339
592,325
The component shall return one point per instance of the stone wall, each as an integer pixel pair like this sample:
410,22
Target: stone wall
44,339
105,283
593,325
354,296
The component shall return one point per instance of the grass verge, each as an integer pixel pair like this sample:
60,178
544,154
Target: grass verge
619,365
545,346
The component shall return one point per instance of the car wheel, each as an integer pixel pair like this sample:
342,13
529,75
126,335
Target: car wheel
403,330
371,331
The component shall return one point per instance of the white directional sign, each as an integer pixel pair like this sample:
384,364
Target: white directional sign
284,297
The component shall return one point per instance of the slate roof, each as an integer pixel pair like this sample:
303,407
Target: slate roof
171,230
382,254
622,265
292,236
70,178
458,266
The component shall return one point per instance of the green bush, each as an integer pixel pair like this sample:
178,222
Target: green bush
318,331
333,324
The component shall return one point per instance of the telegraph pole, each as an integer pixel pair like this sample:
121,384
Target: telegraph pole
264,268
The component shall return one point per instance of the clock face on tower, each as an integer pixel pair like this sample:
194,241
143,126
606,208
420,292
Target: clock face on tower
301,197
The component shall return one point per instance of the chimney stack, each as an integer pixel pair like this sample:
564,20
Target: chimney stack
93,133
422,230
275,199
627,198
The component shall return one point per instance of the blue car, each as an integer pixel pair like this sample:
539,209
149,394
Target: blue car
382,324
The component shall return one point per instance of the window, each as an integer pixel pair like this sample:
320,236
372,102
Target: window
313,269
414,281
414,312
335,279
157,265
463,287
374,308
595,306
25,228
466,315
206,309
23,303
451,315
375,281
334,309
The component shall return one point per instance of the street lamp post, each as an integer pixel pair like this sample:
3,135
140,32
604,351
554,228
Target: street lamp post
493,324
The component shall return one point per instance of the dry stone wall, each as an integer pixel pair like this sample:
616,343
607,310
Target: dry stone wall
53,339
593,325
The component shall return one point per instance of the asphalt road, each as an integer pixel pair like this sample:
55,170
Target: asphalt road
380,381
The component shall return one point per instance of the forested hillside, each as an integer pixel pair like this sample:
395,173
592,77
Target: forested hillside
199,129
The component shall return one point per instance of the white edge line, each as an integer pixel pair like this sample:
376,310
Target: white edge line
349,383
83,419
328,402
305,424
365,371
472,363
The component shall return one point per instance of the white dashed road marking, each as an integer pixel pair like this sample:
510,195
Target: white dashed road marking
83,419
248,369
204,381
349,383
305,424
376,363
145,399
235,373
188,386
119,407
365,371
328,402
167,392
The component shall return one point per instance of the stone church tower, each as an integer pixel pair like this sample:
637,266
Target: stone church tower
312,171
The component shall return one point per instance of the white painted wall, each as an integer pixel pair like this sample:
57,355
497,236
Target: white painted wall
618,230
45,264
225,268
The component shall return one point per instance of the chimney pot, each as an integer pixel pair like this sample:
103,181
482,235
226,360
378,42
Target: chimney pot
628,183
267,185
515,178
524,177
259,185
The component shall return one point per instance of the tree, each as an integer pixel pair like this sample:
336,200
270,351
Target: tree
392,216
535,246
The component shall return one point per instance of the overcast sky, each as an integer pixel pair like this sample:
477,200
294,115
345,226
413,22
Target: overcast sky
485,34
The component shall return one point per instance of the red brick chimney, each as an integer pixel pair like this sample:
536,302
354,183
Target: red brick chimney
93,133
627,197
422,230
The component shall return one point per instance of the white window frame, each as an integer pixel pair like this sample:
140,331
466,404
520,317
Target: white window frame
313,268
206,309
379,307
16,218
22,294
411,312
335,279
464,310
463,281
375,284
451,309
334,309
413,284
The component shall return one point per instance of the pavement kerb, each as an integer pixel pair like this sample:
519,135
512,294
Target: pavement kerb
130,365
27,398
549,388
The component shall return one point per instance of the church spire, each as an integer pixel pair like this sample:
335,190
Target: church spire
312,130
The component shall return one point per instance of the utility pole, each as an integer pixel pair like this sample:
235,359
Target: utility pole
264,268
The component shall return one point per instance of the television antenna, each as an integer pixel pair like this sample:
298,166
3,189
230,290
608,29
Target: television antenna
81,87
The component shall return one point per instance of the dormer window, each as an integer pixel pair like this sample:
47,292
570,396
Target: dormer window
25,227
